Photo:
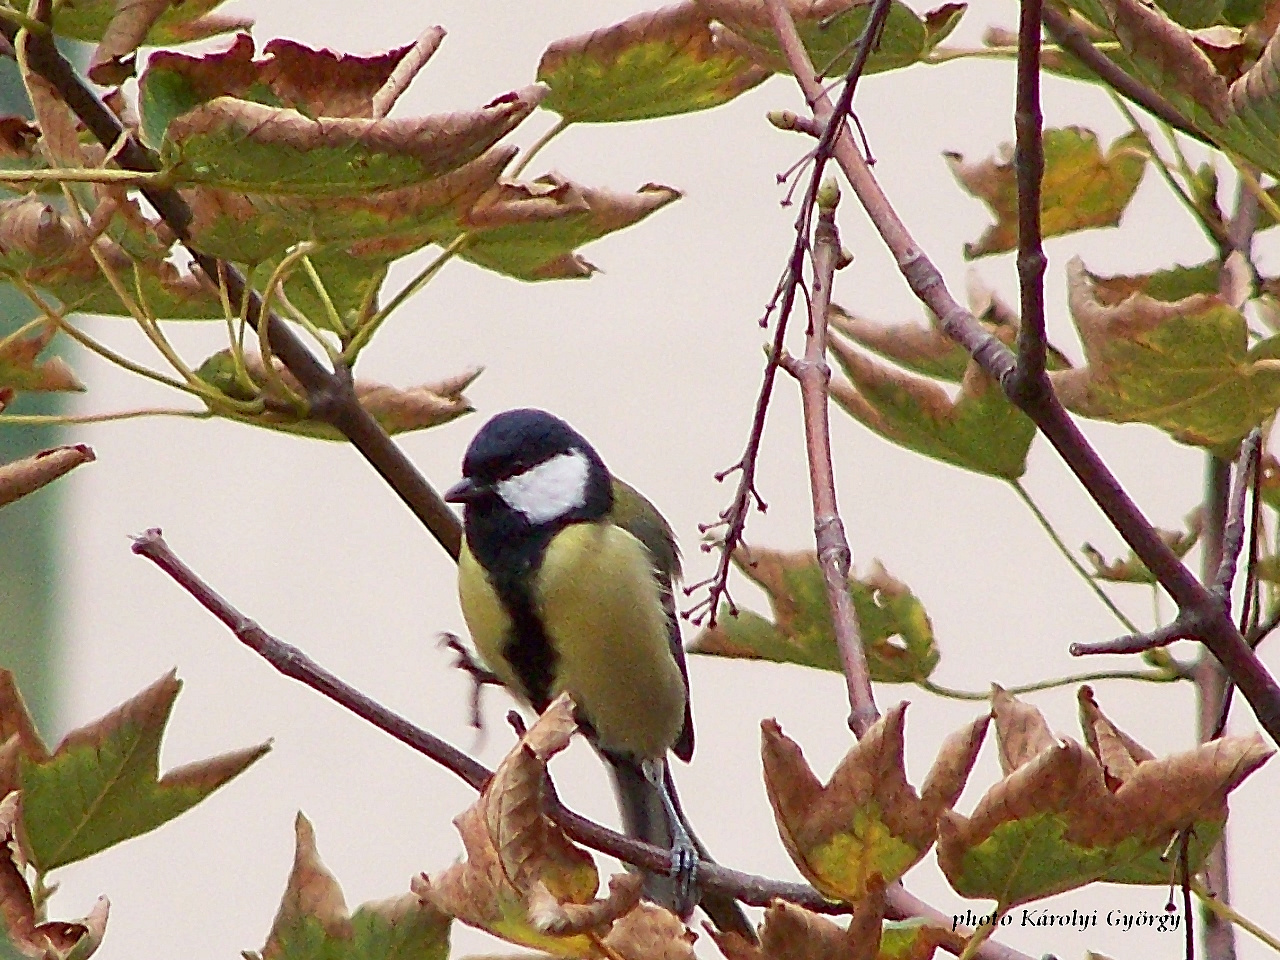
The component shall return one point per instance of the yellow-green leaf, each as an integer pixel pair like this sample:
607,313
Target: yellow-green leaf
1081,189
102,784
897,636
654,64
979,430
1184,366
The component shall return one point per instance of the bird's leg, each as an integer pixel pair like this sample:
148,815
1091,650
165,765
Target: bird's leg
684,855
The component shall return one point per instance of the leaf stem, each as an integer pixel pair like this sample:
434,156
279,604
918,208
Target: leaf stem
1146,676
558,128
1226,912
64,420
366,332
126,178
1063,549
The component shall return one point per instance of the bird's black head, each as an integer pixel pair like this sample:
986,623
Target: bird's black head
528,471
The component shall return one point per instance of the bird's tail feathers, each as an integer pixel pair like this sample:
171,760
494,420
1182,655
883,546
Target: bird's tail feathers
644,817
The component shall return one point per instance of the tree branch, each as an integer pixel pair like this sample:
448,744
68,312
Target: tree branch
834,555
1071,38
1030,379
330,393
1214,627
292,662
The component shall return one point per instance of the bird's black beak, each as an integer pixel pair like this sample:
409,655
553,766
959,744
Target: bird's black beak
464,491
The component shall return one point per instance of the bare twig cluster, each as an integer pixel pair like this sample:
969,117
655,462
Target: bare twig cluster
1021,375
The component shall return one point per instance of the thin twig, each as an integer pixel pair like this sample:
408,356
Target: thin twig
834,555
331,393
1214,628
1031,377
1234,529
734,517
1073,39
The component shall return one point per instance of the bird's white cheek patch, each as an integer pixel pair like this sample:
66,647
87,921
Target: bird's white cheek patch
549,490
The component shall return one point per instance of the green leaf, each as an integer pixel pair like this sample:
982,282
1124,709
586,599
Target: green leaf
831,29
102,784
382,226
980,430
897,636
914,939
928,351
244,146
1082,188
654,64
1132,569
183,22
1184,366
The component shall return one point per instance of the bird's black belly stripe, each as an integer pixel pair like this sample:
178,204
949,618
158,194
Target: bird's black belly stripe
509,550
528,649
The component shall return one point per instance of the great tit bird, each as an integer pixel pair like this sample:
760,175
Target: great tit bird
565,581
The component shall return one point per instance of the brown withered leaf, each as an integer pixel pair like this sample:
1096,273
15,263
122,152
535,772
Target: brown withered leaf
648,932
398,409
313,921
551,915
518,862
1169,54
18,137
867,826
794,933
33,937
59,129
531,230
48,250
21,477
1064,815
19,739
318,83
1083,187
114,58
20,369
311,894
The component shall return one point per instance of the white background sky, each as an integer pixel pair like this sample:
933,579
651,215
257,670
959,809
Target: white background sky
657,360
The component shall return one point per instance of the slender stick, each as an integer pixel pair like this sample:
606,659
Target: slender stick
834,555
734,517
1213,626
1031,377
1071,38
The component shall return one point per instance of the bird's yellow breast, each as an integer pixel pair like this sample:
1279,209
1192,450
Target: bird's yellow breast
598,598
